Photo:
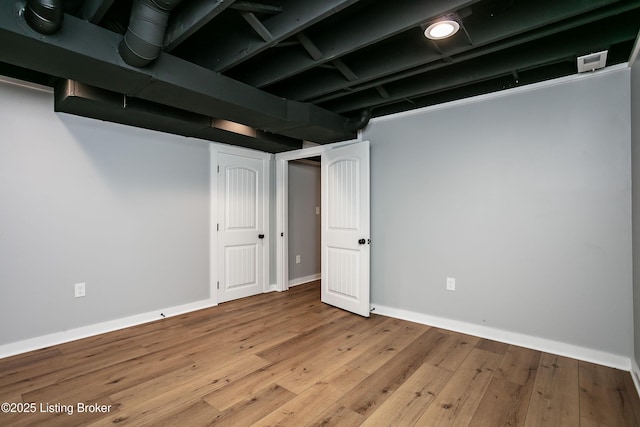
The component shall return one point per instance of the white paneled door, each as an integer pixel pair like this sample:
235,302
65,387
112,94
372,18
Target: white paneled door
240,227
345,228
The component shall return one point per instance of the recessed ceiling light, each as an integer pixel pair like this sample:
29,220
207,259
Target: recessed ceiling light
441,30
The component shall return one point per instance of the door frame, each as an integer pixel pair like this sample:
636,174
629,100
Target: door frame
214,150
282,204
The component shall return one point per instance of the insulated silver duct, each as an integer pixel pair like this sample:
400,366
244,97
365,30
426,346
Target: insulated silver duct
44,16
144,39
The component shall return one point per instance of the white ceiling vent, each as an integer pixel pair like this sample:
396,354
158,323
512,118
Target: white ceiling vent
592,62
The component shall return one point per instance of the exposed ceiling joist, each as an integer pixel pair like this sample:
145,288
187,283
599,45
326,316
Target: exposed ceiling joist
372,25
382,92
94,10
94,60
252,7
296,16
345,70
409,54
309,69
190,17
257,26
309,46
524,16
486,67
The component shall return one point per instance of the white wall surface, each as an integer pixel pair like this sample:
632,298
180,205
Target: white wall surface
524,197
122,209
304,223
635,149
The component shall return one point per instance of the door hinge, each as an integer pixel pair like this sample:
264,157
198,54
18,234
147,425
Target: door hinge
218,168
218,285
217,227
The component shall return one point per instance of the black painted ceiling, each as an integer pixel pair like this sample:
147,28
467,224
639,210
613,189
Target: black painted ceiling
347,56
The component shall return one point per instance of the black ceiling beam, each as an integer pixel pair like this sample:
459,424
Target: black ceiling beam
382,92
372,25
83,100
531,55
427,63
88,53
345,70
309,46
94,10
252,7
296,16
412,53
257,26
497,84
190,17
532,15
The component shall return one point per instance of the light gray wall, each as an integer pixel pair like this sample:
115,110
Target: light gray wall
524,198
304,223
273,224
124,210
635,158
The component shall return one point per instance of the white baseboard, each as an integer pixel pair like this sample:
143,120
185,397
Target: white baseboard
635,374
37,343
536,343
522,340
303,280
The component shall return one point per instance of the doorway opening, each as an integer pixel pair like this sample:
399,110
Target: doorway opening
304,218
345,242
282,206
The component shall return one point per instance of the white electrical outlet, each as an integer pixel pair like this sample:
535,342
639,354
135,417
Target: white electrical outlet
80,290
451,284
297,259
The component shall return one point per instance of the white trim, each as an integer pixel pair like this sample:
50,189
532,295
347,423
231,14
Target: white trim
503,93
282,224
214,150
635,52
303,280
266,206
282,203
635,375
37,343
312,151
213,223
523,340
240,151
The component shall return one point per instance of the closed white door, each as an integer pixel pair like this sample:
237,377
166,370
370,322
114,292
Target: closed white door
240,227
345,228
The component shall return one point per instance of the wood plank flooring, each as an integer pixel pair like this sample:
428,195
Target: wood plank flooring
286,359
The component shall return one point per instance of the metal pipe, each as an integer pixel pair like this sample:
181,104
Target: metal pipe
44,16
354,124
144,38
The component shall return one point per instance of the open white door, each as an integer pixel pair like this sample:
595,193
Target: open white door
345,228
240,227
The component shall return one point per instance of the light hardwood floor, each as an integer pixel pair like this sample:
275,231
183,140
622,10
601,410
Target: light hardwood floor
287,359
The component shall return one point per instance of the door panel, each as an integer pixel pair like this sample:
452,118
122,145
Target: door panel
241,215
240,266
343,267
241,197
345,228
344,194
